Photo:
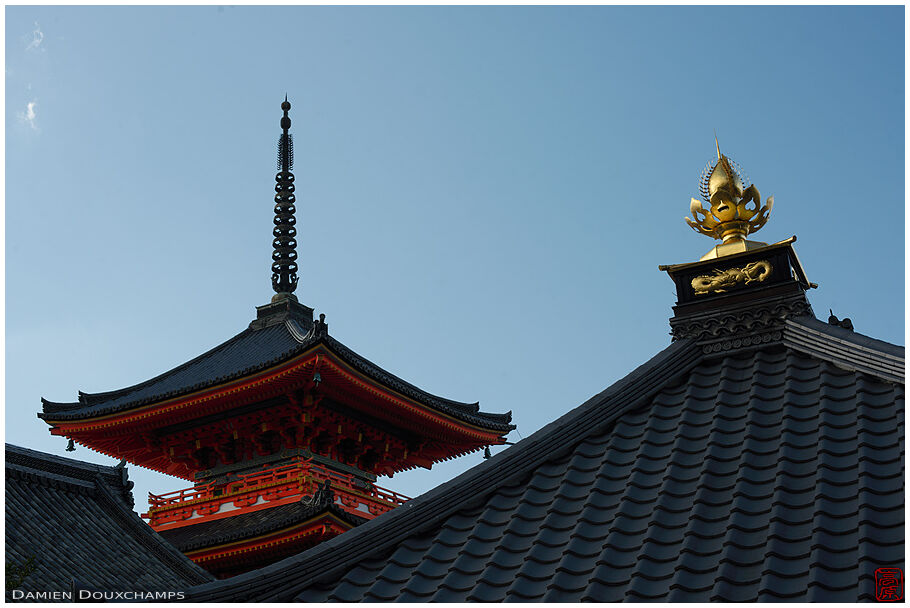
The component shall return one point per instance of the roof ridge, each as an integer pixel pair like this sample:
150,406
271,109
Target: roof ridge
144,535
845,348
56,469
547,443
49,479
51,463
854,337
298,332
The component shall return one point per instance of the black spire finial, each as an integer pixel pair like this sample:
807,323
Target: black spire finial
284,257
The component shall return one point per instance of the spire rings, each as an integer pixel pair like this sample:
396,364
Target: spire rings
284,254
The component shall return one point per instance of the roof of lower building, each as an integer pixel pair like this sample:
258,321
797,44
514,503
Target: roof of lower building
279,334
74,520
758,457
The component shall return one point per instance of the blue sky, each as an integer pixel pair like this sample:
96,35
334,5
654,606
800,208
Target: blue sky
484,193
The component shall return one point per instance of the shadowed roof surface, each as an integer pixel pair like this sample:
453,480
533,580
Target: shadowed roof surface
772,472
76,520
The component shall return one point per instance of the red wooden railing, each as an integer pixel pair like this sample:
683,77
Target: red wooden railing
286,483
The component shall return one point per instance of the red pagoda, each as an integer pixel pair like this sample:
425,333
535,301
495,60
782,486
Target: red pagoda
282,429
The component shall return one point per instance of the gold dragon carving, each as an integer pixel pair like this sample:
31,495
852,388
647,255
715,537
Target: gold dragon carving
722,280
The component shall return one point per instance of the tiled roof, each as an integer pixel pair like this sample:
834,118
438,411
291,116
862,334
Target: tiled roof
75,519
246,353
249,525
762,469
258,347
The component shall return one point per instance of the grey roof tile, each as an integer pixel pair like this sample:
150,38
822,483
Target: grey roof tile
349,591
459,581
76,520
442,553
759,475
726,590
501,575
433,569
423,583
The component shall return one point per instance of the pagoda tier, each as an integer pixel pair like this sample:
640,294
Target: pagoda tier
241,522
283,383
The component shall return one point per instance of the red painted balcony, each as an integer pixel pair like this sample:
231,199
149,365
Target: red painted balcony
260,490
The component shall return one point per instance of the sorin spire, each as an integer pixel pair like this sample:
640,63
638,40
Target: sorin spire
284,256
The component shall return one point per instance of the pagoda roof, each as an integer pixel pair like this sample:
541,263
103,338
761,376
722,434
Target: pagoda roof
267,342
76,520
758,457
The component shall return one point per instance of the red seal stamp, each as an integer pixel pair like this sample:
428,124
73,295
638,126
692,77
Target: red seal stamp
889,584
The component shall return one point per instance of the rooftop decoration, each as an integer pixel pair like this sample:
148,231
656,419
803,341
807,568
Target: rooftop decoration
734,211
284,257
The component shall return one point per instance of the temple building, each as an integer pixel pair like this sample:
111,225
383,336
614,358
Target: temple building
282,430
758,457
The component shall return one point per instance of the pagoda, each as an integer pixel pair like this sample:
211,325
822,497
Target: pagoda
282,429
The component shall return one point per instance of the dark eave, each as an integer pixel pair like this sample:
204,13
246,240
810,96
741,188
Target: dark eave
262,346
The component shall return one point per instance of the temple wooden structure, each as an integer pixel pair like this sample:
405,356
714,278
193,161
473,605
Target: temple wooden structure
282,429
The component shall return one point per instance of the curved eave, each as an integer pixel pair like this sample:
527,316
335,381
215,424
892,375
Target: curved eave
291,375
377,374
93,407
273,521
269,540
477,422
99,418
89,400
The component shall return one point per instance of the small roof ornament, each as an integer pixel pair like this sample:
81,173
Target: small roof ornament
734,211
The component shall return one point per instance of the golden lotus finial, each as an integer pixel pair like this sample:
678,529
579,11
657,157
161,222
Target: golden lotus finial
729,217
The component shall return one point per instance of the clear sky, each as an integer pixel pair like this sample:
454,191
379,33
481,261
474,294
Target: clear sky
484,194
